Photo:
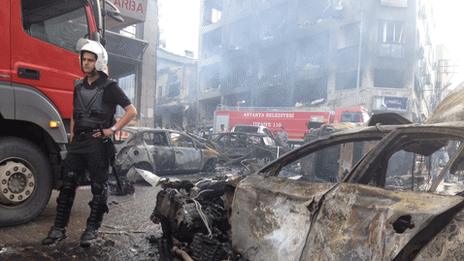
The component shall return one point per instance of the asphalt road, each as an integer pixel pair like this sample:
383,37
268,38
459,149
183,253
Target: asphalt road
123,236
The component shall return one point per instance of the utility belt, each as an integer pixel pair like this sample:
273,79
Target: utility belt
86,134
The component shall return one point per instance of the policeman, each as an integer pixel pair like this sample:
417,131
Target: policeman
90,148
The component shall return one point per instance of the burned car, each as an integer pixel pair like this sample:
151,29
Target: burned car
162,151
402,200
237,146
394,204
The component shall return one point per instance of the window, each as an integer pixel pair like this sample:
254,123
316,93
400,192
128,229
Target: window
215,15
329,164
388,78
129,31
180,140
427,170
391,32
121,136
61,23
394,3
351,116
349,36
233,140
158,139
346,80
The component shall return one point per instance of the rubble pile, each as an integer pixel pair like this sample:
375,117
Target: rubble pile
194,218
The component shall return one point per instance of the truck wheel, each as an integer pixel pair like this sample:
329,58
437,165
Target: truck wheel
25,181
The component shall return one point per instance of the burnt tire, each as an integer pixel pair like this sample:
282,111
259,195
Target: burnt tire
24,153
210,166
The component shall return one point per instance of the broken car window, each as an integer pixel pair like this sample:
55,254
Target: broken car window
329,164
179,140
153,138
121,136
415,163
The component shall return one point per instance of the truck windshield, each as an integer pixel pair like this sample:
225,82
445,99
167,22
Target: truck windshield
351,117
61,23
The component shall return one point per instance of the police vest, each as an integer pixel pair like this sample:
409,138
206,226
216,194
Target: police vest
90,111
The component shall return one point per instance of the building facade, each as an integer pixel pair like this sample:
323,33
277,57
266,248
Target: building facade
334,53
176,91
131,48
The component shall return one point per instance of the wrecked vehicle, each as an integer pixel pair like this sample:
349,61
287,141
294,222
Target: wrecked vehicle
195,214
162,151
234,147
380,210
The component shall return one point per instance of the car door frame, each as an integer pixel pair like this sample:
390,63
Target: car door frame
191,164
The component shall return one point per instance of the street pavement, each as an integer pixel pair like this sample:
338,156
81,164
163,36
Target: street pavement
125,232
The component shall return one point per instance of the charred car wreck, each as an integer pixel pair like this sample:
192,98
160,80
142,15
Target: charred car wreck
401,199
234,147
162,151
195,216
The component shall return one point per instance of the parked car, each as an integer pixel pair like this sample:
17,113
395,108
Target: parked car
162,151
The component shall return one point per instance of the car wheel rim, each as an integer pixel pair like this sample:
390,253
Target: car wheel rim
17,181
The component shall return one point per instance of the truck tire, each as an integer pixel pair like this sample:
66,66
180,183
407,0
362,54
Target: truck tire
25,181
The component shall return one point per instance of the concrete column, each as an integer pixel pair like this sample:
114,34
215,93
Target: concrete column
148,68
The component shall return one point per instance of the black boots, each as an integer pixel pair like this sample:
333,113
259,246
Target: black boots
98,208
63,210
56,234
89,236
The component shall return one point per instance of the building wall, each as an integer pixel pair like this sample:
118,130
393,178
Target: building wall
284,53
148,78
176,87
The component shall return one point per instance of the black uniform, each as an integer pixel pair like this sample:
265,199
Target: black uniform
94,108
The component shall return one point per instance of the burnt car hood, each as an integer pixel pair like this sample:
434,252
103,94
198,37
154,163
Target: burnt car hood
279,219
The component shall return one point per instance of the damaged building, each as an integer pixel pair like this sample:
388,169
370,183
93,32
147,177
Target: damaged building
286,53
176,83
131,48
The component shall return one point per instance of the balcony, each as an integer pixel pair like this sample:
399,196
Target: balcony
390,50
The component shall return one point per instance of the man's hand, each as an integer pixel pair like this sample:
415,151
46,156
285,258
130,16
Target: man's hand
71,137
106,133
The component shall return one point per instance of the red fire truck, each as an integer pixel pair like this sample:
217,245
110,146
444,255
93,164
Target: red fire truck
38,66
294,121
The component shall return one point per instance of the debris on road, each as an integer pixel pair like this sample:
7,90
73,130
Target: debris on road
194,218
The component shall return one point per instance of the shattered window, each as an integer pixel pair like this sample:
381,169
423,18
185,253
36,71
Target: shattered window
120,136
329,164
179,140
410,171
153,139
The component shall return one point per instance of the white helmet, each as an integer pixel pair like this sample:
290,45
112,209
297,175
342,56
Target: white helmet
97,49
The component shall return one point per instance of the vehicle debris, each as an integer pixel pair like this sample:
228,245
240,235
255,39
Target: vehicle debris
194,218
234,147
162,151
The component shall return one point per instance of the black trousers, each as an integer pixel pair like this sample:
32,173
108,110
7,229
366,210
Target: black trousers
91,154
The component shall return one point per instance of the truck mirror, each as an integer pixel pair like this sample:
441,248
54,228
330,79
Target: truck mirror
113,11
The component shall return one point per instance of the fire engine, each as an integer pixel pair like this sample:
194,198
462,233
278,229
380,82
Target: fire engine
293,120
38,66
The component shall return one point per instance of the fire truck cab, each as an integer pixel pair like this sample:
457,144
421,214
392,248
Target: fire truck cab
38,66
